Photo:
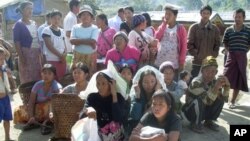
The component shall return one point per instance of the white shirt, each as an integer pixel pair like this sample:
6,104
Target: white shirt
149,31
115,22
57,43
69,21
168,50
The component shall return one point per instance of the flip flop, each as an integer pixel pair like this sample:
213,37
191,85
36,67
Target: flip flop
46,128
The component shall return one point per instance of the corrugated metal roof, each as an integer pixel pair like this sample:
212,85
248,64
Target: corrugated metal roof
193,16
5,3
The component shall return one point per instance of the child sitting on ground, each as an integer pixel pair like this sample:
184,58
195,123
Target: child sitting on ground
5,107
184,79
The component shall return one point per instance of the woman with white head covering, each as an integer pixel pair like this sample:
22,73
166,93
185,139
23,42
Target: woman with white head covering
145,82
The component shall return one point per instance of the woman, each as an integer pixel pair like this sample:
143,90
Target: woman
80,75
105,38
146,81
27,46
163,117
40,98
56,51
122,53
142,41
126,26
107,106
173,40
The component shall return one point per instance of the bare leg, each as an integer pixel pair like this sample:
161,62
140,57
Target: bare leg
6,125
235,94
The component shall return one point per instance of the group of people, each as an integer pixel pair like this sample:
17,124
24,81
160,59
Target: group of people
150,61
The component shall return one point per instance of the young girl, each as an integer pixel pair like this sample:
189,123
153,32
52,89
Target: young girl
127,73
162,116
5,107
40,98
107,106
167,68
80,75
53,37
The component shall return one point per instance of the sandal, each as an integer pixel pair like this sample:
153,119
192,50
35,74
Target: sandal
28,127
47,128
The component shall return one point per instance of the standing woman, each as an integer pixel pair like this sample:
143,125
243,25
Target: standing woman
27,46
105,38
54,39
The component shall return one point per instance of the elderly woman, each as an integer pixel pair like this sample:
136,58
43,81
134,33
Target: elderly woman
123,53
205,97
80,75
27,46
141,40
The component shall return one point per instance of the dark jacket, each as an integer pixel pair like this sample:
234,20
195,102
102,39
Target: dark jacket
203,41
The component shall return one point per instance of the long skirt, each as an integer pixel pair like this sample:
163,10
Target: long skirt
41,113
235,70
31,70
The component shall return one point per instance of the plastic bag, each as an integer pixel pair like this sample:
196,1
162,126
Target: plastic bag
149,131
85,130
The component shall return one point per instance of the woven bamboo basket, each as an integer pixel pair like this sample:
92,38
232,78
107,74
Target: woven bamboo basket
66,108
66,80
25,91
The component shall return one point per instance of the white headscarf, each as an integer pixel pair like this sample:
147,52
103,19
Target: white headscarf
121,84
158,74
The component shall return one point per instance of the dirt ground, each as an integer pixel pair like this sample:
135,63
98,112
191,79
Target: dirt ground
241,115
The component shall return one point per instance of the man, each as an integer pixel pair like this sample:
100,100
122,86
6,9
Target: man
40,38
70,20
205,97
203,40
126,26
116,21
237,41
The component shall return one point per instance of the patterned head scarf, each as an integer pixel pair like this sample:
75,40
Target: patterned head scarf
137,20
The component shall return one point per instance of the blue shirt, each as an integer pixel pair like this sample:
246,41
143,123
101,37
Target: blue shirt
80,32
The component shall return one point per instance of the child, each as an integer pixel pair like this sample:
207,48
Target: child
162,117
184,79
5,107
127,73
168,70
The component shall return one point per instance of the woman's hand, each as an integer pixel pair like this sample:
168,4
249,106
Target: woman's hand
137,90
63,57
91,113
160,137
112,85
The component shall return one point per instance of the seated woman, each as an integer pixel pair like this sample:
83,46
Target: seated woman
39,102
146,81
122,53
166,125
80,75
106,106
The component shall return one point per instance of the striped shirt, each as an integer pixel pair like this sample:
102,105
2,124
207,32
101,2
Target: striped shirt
237,40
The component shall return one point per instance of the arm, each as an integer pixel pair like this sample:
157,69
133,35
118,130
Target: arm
190,41
31,105
135,135
173,136
90,42
182,46
160,31
50,47
217,42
